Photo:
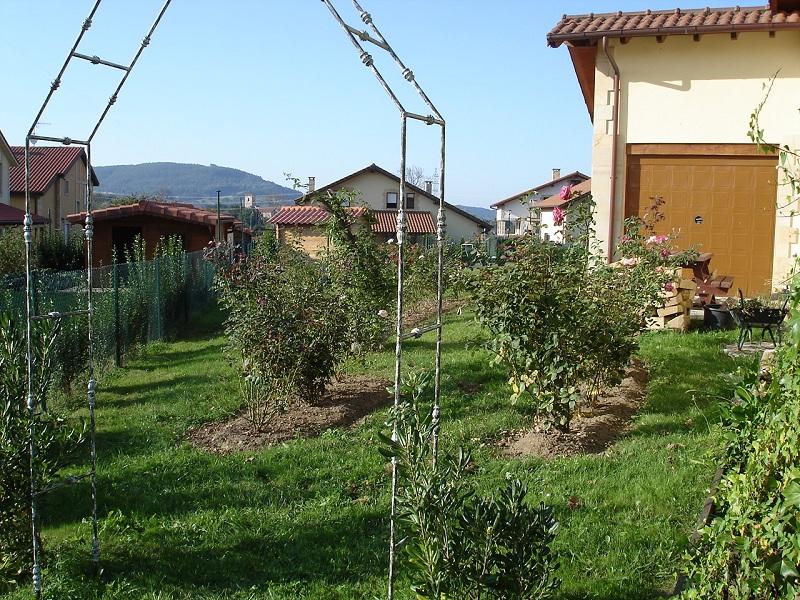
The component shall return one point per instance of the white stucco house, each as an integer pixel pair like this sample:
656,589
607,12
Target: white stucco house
670,94
378,190
7,162
513,214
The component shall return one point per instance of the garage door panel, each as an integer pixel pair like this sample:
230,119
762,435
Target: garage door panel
725,205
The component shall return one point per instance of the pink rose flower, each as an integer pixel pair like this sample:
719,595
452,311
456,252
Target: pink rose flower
629,262
566,192
669,287
657,239
559,215
665,253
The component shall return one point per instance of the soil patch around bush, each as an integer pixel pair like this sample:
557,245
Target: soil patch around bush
590,432
345,403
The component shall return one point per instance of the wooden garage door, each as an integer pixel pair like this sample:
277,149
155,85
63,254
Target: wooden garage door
723,204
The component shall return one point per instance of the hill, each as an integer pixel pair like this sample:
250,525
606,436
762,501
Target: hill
486,214
186,181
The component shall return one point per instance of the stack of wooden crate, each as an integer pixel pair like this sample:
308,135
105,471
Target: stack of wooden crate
675,314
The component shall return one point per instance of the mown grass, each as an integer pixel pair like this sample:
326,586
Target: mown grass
308,519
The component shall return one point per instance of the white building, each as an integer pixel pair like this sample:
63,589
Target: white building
7,162
514,214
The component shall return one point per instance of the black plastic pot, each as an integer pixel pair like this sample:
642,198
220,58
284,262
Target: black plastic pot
717,317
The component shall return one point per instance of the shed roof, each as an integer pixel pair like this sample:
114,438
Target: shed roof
47,163
583,28
307,215
417,222
186,213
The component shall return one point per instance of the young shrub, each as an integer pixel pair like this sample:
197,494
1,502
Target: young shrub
60,252
55,441
12,252
460,545
360,270
285,323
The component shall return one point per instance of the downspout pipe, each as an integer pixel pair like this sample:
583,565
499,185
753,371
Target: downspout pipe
614,149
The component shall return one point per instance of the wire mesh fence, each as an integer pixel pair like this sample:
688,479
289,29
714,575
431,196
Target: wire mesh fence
134,303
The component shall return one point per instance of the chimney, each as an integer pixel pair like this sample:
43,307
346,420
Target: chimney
556,174
429,187
777,6
312,184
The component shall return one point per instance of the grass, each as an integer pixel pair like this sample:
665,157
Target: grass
308,519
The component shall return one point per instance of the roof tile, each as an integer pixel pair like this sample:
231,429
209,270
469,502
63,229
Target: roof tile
673,22
47,162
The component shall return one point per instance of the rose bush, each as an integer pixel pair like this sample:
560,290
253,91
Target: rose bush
563,322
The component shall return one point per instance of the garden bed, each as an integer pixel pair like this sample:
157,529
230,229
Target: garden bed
590,432
346,402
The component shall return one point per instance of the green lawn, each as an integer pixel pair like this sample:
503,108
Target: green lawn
308,519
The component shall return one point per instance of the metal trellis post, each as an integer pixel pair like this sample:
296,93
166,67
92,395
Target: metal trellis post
375,38
36,405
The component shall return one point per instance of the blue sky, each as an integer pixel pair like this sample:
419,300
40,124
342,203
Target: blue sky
273,86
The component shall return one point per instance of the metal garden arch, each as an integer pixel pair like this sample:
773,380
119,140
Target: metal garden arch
35,405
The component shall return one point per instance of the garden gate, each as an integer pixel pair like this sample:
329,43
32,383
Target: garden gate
35,405
356,37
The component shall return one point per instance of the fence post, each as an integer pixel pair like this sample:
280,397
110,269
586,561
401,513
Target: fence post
186,289
159,325
117,341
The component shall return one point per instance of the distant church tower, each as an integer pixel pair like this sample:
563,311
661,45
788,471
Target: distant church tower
249,200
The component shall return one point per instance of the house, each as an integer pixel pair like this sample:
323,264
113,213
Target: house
7,162
379,190
116,227
670,94
514,213
303,226
549,227
57,182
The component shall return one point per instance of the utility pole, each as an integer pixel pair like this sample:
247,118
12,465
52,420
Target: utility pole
219,228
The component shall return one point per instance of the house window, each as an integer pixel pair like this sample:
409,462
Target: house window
65,187
410,200
391,199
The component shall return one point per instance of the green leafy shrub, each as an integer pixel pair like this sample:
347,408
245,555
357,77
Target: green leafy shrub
563,322
55,441
12,252
459,544
60,252
284,321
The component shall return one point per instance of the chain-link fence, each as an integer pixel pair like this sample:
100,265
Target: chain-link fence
134,303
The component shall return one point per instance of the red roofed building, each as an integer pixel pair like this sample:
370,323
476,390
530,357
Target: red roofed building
7,162
116,227
58,181
304,225
13,217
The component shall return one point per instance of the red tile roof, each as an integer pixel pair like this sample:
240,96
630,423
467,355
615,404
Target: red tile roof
171,211
47,163
678,21
577,176
417,222
307,215
384,221
579,191
14,216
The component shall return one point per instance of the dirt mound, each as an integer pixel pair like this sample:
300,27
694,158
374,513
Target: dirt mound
590,433
343,404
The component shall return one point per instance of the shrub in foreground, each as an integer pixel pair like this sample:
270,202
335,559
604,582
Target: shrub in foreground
460,544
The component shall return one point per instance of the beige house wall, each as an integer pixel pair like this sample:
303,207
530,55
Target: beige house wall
66,196
372,188
683,91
